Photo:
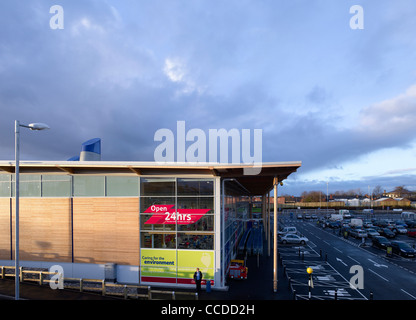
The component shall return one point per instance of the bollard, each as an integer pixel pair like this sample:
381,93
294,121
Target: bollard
336,294
371,295
294,294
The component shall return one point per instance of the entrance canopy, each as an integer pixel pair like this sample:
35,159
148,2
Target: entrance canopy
254,185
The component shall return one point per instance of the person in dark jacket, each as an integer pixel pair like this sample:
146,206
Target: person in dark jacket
198,278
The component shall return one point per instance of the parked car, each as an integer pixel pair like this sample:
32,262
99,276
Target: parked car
380,242
386,232
372,233
293,238
299,216
286,230
382,223
358,233
399,230
368,224
411,233
334,224
403,249
410,223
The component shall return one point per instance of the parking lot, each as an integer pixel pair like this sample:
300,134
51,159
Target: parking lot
338,259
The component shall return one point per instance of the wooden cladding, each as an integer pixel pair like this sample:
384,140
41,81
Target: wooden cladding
106,230
5,228
82,230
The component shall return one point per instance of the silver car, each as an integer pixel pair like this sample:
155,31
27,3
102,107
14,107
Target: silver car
293,238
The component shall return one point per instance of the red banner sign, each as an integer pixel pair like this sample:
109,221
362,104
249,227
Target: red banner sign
165,214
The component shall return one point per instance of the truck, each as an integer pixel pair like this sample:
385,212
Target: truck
237,269
356,223
336,217
345,213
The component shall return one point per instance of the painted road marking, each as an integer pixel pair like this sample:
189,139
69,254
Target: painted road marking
378,275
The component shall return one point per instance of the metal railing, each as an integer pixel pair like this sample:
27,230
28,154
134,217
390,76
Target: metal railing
97,285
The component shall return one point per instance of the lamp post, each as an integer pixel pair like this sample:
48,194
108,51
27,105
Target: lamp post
17,125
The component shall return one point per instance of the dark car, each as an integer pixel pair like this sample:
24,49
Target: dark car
334,224
381,242
382,223
403,249
386,232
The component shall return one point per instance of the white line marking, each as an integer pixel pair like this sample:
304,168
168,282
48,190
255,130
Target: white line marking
408,293
378,275
354,260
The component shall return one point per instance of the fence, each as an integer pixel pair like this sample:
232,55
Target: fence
43,277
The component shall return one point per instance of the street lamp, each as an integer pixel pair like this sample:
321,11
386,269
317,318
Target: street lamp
17,125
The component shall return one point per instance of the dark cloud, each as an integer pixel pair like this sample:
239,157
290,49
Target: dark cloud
120,70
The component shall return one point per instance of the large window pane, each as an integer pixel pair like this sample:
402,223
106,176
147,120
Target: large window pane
157,240
122,186
146,202
204,223
145,224
195,241
157,187
56,186
196,187
89,186
5,185
196,203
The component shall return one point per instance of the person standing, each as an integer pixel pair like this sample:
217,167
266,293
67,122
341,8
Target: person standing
198,278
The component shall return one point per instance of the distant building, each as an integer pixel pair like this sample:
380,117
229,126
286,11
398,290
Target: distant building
399,193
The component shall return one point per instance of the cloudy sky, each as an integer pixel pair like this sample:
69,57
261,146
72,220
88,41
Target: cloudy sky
341,100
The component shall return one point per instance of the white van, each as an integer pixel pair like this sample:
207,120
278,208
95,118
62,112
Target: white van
408,215
345,213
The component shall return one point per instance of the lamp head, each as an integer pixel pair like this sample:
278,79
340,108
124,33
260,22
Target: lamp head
38,126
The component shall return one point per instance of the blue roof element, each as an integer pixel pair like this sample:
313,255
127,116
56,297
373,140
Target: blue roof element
74,158
92,145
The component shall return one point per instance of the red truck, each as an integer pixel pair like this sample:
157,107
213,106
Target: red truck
238,270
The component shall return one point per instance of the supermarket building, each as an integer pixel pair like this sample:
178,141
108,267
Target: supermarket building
131,222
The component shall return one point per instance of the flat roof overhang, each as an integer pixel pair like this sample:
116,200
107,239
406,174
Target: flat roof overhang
257,184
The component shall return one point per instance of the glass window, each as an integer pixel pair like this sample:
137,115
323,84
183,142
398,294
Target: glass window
5,185
146,202
195,241
122,186
89,186
157,187
195,187
196,203
56,186
204,223
158,240
146,224
29,185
